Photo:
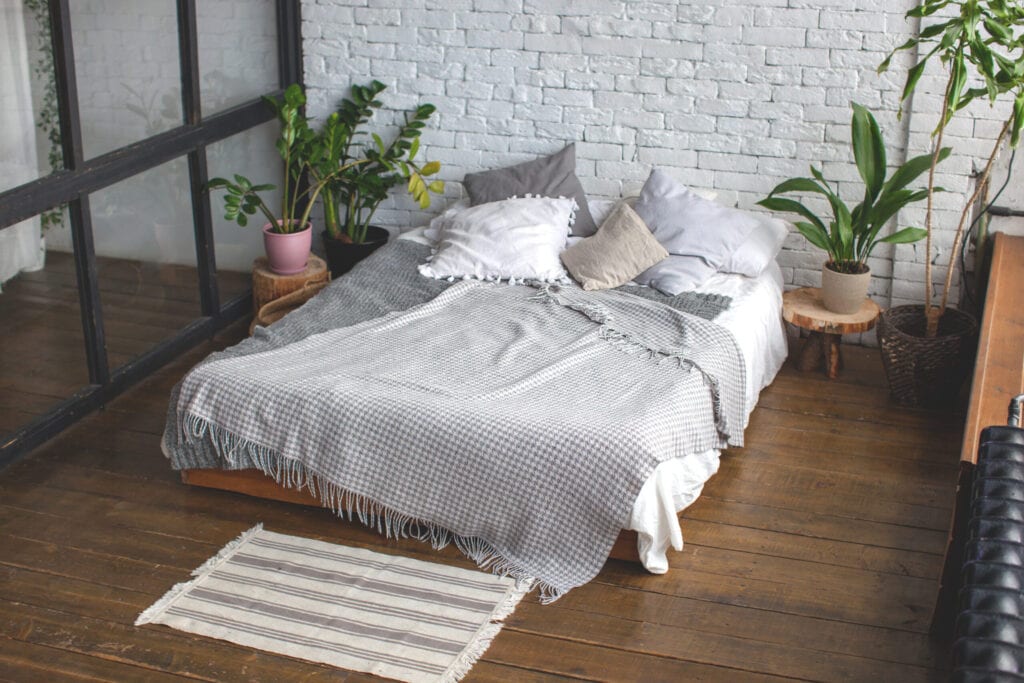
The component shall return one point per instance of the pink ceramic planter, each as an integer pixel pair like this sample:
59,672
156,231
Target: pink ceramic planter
287,253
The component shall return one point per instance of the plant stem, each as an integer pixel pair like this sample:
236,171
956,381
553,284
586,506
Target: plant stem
266,211
954,254
931,313
330,214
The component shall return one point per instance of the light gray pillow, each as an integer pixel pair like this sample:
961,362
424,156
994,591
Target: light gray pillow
550,176
686,224
760,248
622,248
676,274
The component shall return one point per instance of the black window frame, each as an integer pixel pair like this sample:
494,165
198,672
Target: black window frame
72,186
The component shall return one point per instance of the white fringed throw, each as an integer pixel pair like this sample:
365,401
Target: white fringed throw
355,609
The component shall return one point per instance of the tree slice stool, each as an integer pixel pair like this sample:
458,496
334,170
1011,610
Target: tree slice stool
804,308
268,285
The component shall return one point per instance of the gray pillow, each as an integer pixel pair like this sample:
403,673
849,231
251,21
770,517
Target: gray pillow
551,176
686,224
676,274
622,248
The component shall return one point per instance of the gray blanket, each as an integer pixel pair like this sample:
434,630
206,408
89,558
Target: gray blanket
518,424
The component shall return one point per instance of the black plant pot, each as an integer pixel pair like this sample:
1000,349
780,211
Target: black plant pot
342,256
926,371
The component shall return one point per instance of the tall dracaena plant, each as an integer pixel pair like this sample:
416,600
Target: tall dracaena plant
982,50
852,234
362,176
297,145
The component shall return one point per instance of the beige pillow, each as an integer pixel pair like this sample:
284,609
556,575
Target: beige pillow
622,248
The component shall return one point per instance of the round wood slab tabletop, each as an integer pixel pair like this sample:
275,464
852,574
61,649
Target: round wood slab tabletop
804,308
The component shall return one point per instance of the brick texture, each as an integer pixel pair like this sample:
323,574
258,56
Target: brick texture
728,95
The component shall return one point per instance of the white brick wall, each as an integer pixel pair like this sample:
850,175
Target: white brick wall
730,95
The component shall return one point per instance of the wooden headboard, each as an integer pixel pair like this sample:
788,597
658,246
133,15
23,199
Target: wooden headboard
999,369
998,377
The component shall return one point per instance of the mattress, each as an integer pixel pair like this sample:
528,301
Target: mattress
755,320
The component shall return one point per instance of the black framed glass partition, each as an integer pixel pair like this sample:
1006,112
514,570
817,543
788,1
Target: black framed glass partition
113,115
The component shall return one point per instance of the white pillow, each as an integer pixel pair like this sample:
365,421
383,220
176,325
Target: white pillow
433,231
600,209
759,249
512,239
676,274
686,224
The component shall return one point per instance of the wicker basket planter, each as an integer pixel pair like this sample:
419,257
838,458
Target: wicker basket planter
926,370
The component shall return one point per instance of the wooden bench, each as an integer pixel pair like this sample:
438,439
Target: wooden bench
998,377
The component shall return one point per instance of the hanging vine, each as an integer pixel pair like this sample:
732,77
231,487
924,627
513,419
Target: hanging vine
48,115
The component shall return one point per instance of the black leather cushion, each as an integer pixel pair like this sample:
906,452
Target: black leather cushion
990,626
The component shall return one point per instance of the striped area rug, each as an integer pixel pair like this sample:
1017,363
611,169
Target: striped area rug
352,608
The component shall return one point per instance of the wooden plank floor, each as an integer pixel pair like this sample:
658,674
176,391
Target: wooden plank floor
812,555
43,359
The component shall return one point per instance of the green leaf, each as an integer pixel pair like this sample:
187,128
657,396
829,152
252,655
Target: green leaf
814,235
1017,120
958,79
844,223
821,179
791,206
913,168
905,236
413,149
868,149
914,74
797,185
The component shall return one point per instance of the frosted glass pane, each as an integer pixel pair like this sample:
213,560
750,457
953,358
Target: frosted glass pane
129,76
237,51
145,259
252,154
43,359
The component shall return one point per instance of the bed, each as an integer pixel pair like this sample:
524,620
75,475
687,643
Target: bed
740,314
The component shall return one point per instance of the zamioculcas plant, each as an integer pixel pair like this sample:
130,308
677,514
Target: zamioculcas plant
848,236
297,198
362,176
981,48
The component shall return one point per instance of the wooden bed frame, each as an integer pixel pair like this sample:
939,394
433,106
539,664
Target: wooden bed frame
255,483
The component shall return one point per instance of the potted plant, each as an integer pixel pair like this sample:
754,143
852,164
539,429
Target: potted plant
288,237
852,234
362,176
926,349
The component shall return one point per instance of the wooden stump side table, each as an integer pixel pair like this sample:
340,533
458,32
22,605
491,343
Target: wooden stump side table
268,285
804,308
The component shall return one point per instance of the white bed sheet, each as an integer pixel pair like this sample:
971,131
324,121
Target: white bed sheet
755,320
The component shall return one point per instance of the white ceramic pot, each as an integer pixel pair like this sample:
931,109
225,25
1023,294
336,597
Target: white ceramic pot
843,292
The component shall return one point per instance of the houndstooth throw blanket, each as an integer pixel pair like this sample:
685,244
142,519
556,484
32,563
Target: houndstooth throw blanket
517,423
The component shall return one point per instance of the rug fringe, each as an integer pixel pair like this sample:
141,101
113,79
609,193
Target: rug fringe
240,453
152,612
482,640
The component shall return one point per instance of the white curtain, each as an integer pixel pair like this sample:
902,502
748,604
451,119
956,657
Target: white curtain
21,245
